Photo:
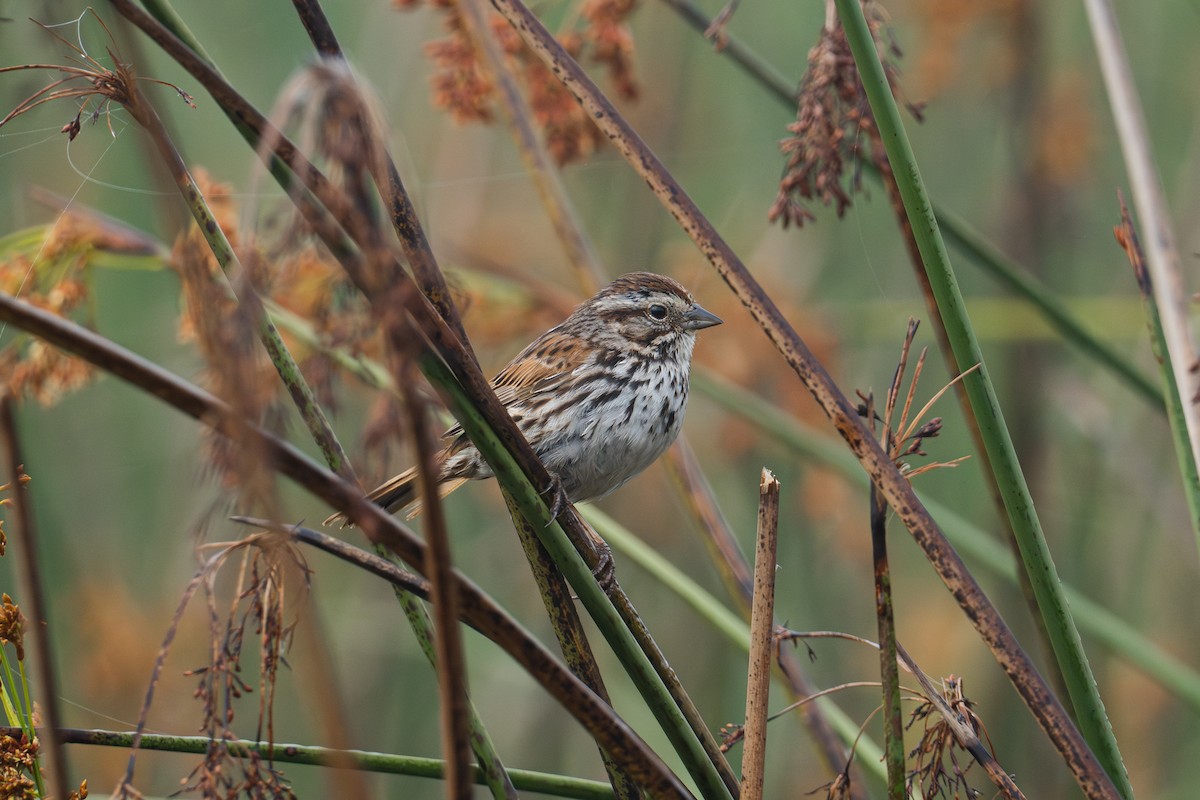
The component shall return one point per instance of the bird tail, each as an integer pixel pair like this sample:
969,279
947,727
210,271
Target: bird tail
400,492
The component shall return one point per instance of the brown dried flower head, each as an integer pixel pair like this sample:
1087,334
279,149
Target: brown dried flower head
462,85
101,86
834,128
269,567
52,274
12,625
905,436
937,771
17,759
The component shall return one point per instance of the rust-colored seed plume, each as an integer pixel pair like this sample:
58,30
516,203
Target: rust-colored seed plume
834,128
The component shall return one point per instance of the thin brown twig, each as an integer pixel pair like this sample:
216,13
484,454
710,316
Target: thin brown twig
451,661
33,594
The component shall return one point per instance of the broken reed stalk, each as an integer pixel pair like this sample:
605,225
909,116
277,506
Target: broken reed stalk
1033,689
762,638
739,581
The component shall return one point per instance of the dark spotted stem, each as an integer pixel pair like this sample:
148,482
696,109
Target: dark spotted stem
892,485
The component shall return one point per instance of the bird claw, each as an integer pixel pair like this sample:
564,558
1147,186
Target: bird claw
557,497
605,571
604,567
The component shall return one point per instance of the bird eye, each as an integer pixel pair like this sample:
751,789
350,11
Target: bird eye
658,312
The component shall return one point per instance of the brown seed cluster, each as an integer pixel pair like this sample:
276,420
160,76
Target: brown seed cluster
53,275
937,771
834,129
12,625
18,757
270,573
462,86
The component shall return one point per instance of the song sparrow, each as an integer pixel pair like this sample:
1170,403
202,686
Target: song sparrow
599,397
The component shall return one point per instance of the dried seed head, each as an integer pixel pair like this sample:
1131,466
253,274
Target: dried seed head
937,769
12,625
18,755
462,86
55,277
834,127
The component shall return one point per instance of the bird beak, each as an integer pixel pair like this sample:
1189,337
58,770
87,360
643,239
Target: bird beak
698,317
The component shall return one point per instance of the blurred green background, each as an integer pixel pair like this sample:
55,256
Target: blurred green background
1017,140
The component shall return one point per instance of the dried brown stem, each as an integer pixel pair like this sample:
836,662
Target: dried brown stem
33,596
889,675
451,662
893,486
684,469
762,639
568,631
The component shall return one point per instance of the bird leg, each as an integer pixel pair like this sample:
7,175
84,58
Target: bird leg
594,549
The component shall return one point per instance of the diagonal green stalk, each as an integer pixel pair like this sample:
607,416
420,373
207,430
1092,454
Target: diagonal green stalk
1064,637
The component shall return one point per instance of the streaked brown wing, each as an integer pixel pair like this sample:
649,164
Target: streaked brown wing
544,366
